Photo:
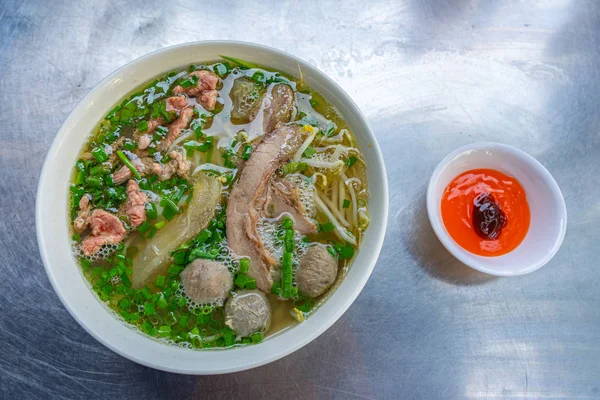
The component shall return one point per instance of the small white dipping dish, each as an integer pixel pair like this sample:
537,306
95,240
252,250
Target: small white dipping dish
546,204
54,237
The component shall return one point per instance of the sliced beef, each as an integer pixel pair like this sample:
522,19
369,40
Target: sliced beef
144,141
142,165
134,205
83,215
175,127
176,103
154,123
278,106
182,166
284,197
208,99
317,271
106,229
248,197
205,89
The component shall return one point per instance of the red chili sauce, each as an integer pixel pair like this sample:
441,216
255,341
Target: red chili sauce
486,212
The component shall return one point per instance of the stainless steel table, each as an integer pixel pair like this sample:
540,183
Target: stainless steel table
430,76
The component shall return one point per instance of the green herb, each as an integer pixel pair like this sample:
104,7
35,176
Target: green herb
129,145
151,211
314,103
128,163
144,227
244,265
149,309
256,337
170,209
351,161
346,203
245,64
293,167
160,281
247,151
327,227
142,126
309,152
241,280
99,154
221,69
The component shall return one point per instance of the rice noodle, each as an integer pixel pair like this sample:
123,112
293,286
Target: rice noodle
334,210
339,230
348,182
304,146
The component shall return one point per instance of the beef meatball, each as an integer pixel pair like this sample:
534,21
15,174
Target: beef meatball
316,272
248,312
206,281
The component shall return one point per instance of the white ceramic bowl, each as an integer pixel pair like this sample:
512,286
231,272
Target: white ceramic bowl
547,206
65,274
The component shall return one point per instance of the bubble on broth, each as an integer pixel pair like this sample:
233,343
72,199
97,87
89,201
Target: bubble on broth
105,252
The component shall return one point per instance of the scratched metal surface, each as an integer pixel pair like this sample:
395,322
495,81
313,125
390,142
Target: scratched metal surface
430,76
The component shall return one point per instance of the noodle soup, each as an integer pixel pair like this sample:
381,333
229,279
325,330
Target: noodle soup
218,205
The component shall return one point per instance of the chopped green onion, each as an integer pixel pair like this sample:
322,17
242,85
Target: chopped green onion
251,284
128,163
174,270
80,180
160,281
164,331
151,211
243,63
314,103
346,203
99,154
197,253
187,83
149,309
289,240
351,161
247,151
287,223
276,288
161,302
287,275
327,227
144,227
244,265
142,126
179,258
160,225
241,280
170,209
204,235
220,69
256,337
93,181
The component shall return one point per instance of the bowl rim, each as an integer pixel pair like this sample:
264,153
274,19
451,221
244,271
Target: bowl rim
434,212
378,232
